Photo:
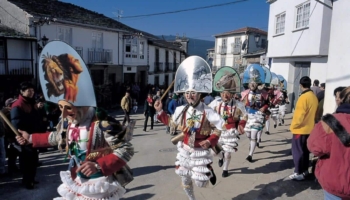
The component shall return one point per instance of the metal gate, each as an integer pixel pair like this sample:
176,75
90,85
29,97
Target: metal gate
300,69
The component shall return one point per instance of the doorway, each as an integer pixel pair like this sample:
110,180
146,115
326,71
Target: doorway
301,69
166,81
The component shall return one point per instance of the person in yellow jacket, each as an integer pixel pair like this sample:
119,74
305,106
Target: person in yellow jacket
126,106
302,124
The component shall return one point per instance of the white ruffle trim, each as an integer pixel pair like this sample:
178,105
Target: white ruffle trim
86,189
255,121
192,162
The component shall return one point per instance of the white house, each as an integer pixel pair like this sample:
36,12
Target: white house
298,41
18,51
164,58
231,46
338,73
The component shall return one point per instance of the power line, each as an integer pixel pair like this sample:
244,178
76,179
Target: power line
186,10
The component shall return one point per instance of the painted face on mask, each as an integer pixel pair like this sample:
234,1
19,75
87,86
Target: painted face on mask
253,86
226,96
68,110
192,97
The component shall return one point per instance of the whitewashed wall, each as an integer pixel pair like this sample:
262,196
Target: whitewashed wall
338,72
313,40
15,18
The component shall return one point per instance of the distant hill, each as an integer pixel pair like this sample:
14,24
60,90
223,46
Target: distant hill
195,46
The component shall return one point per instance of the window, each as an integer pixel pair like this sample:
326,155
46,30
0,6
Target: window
131,48
223,61
237,43
280,21
302,15
263,43
97,40
142,50
64,34
224,42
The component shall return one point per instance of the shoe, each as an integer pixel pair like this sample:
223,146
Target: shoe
297,177
151,129
39,164
224,174
144,130
249,158
282,121
29,186
279,124
275,125
213,178
267,132
257,145
259,140
220,162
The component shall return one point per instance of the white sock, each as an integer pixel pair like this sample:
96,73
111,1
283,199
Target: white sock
267,125
227,161
258,136
252,147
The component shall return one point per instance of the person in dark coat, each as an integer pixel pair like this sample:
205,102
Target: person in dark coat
168,100
25,117
149,111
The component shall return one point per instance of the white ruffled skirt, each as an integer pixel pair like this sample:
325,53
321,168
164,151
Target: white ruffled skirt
105,188
274,113
193,162
229,139
255,121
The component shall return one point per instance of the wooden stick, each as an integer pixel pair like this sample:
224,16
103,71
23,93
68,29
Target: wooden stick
167,90
3,116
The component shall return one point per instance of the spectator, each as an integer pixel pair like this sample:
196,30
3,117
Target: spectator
126,106
149,111
173,104
53,114
43,123
315,88
136,91
336,93
7,137
25,117
134,105
181,101
320,95
208,99
330,141
153,91
302,124
167,102
155,98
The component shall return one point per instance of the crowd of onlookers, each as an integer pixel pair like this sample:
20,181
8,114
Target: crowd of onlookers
328,140
27,111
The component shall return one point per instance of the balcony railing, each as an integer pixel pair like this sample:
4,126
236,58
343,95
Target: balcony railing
168,67
100,56
158,67
236,48
222,49
80,51
16,67
175,66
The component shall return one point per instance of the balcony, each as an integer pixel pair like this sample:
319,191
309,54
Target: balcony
100,56
222,49
80,51
158,67
168,67
236,48
16,67
175,66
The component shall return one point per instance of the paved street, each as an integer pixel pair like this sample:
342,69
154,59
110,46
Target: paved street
153,167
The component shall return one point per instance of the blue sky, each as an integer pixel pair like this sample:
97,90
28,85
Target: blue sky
200,24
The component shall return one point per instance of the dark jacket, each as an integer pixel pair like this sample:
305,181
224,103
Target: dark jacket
149,110
24,116
326,141
172,106
166,105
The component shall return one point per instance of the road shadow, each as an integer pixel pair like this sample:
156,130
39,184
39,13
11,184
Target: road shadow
279,188
139,171
271,167
139,188
140,197
139,135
